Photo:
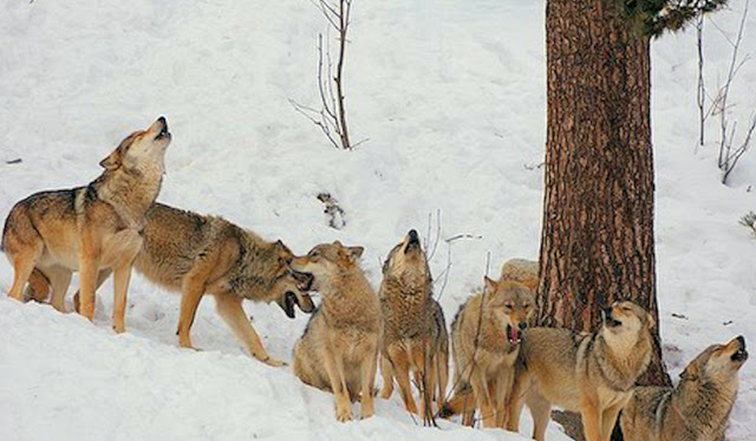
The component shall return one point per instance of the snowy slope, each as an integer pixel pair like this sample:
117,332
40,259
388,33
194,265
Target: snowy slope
451,97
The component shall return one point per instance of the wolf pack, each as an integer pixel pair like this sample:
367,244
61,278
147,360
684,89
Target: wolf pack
501,362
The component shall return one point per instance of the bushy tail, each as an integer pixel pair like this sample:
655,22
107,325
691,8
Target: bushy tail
462,401
38,287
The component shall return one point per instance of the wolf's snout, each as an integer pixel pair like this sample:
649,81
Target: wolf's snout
740,355
414,240
304,280
609,319
522,325
163,125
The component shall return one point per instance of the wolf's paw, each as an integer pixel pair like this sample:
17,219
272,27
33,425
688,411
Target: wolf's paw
119,328
87,311
344,415
367,411
385,393
270,361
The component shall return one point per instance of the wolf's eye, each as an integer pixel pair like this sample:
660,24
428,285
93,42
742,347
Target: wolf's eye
508,305
526,305
627,308
314,253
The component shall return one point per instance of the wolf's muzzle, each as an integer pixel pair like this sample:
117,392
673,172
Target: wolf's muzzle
413,242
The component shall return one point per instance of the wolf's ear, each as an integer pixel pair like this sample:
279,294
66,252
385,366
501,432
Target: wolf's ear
691,373
651,321
490,285
113,161
282,249
355,252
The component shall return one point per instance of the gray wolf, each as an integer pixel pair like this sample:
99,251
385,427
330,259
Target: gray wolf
485,343
338,351
88,229
414,330
521,270
593,374
697,408
197,255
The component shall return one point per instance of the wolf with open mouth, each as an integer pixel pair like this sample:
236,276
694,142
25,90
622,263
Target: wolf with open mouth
485,342
197,255
697,408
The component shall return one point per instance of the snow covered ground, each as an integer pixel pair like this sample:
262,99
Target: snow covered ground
450,96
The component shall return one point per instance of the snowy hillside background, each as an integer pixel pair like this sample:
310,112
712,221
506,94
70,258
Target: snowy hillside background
450,96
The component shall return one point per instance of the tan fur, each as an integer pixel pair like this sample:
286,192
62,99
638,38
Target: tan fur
697,408
485,343
593,374
521,270
415,337
339,349
50,234
197,255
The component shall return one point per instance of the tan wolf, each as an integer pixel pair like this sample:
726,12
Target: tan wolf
197,255
485,342
50,234
697,408
338,351
521,270
414,330
593,374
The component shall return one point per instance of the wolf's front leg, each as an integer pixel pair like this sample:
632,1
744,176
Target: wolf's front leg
89,262
121,278
591,416
369,367
334,367
231,311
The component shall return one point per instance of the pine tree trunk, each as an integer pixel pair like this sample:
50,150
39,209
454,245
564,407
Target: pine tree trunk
597,242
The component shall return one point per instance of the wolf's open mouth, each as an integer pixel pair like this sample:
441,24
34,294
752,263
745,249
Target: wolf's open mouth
164,131
290,299
413,243
740,355
513,335
610,321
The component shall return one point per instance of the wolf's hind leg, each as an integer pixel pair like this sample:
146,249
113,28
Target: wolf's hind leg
388,377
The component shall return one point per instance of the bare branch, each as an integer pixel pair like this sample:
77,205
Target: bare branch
728,158
735,157
749,221
332,115
701,91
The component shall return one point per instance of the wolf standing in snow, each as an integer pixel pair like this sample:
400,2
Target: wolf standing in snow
197,255
415,337
593,374
338,351
485,343
88,229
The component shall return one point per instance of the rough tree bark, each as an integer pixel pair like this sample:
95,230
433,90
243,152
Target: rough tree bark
597,242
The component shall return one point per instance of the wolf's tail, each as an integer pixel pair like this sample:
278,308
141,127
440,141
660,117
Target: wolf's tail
462,401
39,286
